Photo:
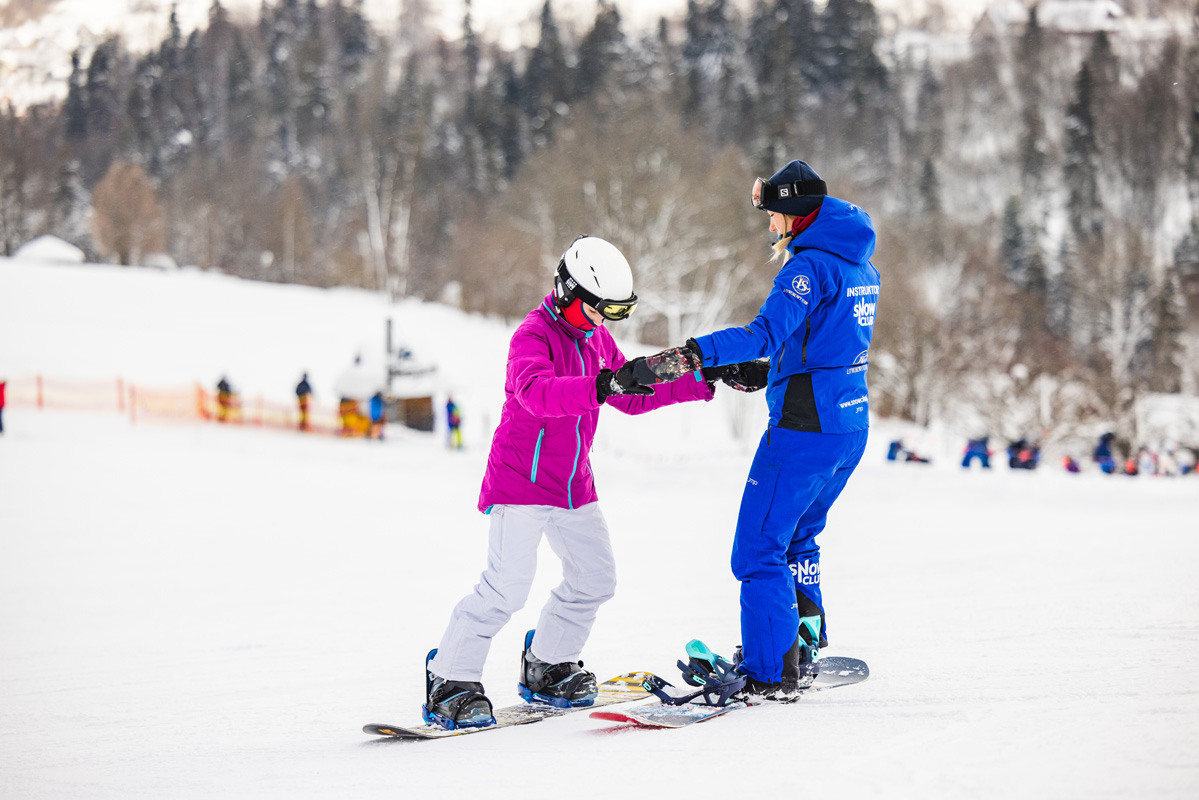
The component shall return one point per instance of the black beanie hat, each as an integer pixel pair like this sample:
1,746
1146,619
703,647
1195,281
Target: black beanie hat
801,205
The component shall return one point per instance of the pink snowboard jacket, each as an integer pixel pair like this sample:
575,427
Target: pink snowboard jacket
540,454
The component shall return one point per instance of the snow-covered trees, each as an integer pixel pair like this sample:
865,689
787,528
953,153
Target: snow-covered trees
1053,177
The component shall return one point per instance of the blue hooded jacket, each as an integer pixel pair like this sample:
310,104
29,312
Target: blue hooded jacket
815,326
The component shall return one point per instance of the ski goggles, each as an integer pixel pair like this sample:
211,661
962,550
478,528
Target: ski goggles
765,193
614,310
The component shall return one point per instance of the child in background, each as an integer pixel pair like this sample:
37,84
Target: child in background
453,421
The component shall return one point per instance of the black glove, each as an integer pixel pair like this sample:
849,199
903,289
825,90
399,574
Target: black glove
671,364
748,376
622,381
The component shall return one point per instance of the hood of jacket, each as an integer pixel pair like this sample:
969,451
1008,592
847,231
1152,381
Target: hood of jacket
842,229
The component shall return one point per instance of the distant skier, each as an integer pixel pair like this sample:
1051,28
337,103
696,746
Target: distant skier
453,421
226,400
3,383
816,326
303,398
1103,455
562,367
378,412
977,449
1023,454
898,451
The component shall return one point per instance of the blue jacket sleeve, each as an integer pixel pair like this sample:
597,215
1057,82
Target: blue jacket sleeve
795,293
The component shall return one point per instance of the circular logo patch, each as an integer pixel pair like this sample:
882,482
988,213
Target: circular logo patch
800,285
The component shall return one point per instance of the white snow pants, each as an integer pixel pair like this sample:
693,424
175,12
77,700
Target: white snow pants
577,536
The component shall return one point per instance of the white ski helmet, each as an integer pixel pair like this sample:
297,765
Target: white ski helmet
596,272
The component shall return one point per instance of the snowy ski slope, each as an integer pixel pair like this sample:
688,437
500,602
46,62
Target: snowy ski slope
189,610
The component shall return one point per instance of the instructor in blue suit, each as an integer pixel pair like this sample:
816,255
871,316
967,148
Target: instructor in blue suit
815,327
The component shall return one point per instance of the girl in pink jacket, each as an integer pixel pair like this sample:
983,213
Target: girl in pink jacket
562,366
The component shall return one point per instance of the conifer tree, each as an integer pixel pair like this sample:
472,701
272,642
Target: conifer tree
75,107
547,78
1082,165
599,50
1163,359
707,50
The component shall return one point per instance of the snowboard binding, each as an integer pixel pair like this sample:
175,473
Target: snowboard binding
564,685
716,679
454,704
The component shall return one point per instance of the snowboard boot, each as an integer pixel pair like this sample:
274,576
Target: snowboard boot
799,663
757,692
454,704
565,685
799,669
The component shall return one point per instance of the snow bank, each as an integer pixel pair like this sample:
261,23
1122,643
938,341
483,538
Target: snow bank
49,250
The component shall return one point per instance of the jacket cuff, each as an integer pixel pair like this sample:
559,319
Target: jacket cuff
707,349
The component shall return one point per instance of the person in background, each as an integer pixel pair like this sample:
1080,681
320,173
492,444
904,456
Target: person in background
1147,461
1103,455
453,423
815,326
977,448
1070,465
898,451
378,411
2,385
1022,454
303,398
347,409
225,400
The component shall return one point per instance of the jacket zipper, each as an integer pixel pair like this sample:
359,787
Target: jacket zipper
536,456
778,367
807,333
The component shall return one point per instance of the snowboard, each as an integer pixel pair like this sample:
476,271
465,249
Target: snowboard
832,671
621,689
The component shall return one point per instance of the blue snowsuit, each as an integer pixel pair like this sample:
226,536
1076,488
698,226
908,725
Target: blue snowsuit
816,326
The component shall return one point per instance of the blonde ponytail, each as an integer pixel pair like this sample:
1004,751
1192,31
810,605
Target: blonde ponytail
780,247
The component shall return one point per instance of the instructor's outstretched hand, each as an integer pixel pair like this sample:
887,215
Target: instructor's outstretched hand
748,376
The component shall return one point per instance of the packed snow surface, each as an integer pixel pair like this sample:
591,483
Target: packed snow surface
195,610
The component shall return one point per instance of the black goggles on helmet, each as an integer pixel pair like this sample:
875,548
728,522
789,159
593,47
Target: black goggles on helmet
765,193
569,289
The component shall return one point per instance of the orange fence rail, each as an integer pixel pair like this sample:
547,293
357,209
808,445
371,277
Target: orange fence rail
180,403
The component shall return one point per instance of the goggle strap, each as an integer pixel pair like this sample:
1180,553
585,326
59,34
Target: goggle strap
770,192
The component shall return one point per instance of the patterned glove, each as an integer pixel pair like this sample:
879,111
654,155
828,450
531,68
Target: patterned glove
622,381
671,364
748,376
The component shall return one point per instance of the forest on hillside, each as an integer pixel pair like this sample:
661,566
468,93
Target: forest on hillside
1036,197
